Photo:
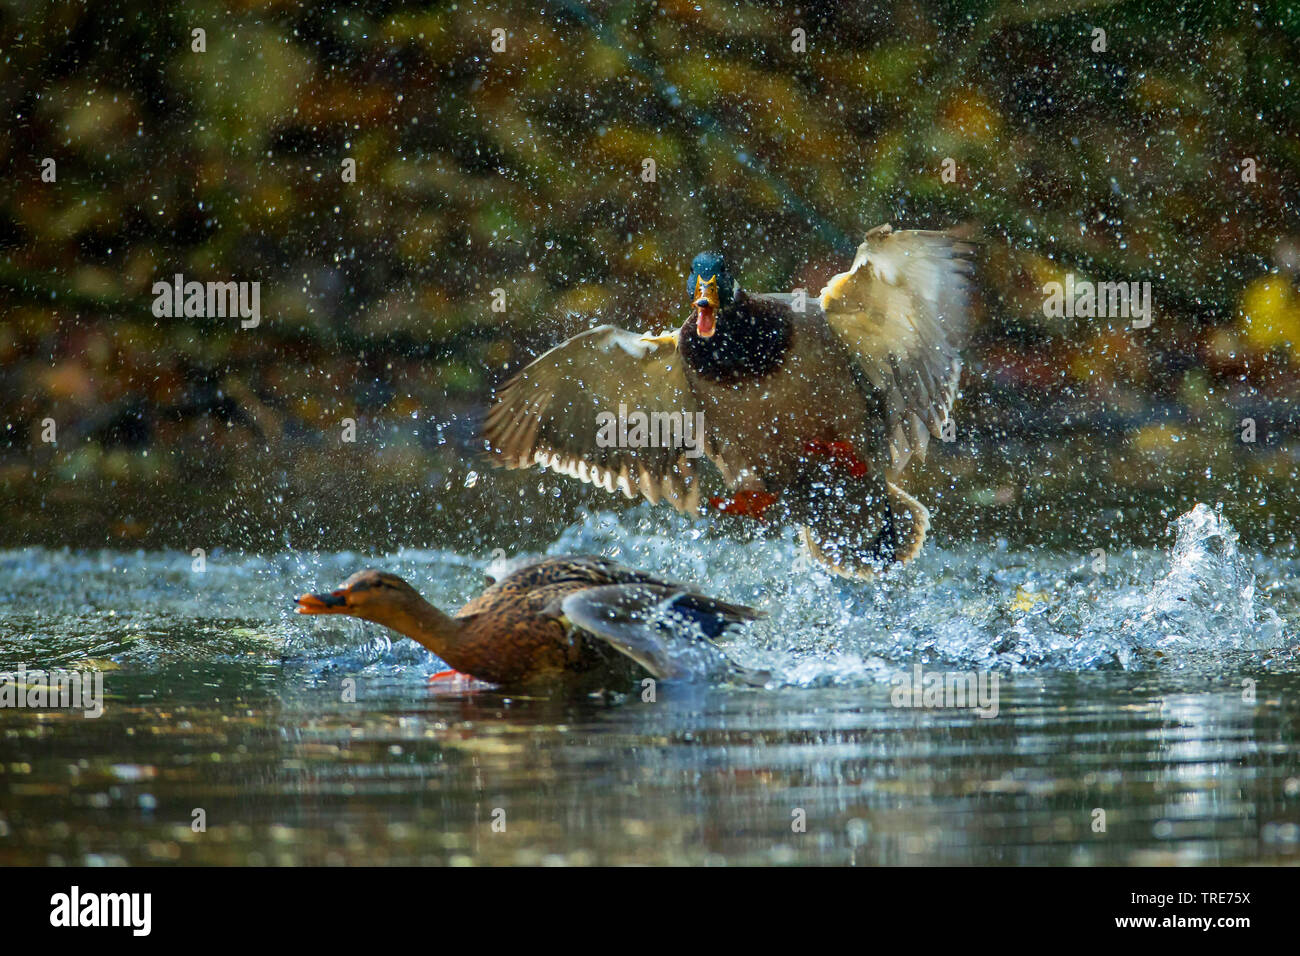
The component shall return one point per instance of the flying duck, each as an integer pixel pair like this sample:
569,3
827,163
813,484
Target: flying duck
578,622
810,408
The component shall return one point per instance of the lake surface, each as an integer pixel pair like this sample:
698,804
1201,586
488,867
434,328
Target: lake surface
1146,712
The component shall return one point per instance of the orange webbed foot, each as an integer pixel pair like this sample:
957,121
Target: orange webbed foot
448,675
747,504
839,452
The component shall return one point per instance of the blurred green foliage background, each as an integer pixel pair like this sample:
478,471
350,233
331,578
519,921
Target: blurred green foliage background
521,169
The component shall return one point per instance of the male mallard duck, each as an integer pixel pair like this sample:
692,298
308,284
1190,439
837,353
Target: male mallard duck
818,408
580,621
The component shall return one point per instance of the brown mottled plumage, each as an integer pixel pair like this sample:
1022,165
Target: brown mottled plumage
814,405
580,621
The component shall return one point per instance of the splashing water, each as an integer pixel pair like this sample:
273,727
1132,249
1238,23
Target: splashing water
996,609
1016,611
1206,601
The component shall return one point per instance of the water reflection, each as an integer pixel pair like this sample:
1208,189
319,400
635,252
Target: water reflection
225,709
408,774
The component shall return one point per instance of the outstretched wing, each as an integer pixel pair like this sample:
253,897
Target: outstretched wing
561,411
902,310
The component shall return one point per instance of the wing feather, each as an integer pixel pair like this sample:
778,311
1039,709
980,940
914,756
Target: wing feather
903,312
549,415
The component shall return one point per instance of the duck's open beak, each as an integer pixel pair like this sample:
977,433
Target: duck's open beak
706,306
335,602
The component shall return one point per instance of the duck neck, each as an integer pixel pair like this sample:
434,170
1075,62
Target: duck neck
425,624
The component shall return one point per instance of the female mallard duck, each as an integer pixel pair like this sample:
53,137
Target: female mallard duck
815,405
579,621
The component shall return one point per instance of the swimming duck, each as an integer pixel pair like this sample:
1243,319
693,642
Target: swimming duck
810,408
585,622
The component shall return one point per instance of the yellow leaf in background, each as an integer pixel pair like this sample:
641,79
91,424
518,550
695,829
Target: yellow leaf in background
1270,314
971,114
253,634
1025,600
1156,437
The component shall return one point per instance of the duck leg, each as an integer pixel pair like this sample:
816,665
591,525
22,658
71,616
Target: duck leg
449,675
747,504
839,452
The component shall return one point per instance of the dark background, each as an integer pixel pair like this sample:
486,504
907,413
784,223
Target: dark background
521,170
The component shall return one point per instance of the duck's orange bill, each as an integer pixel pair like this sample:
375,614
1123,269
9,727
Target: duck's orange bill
321,603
